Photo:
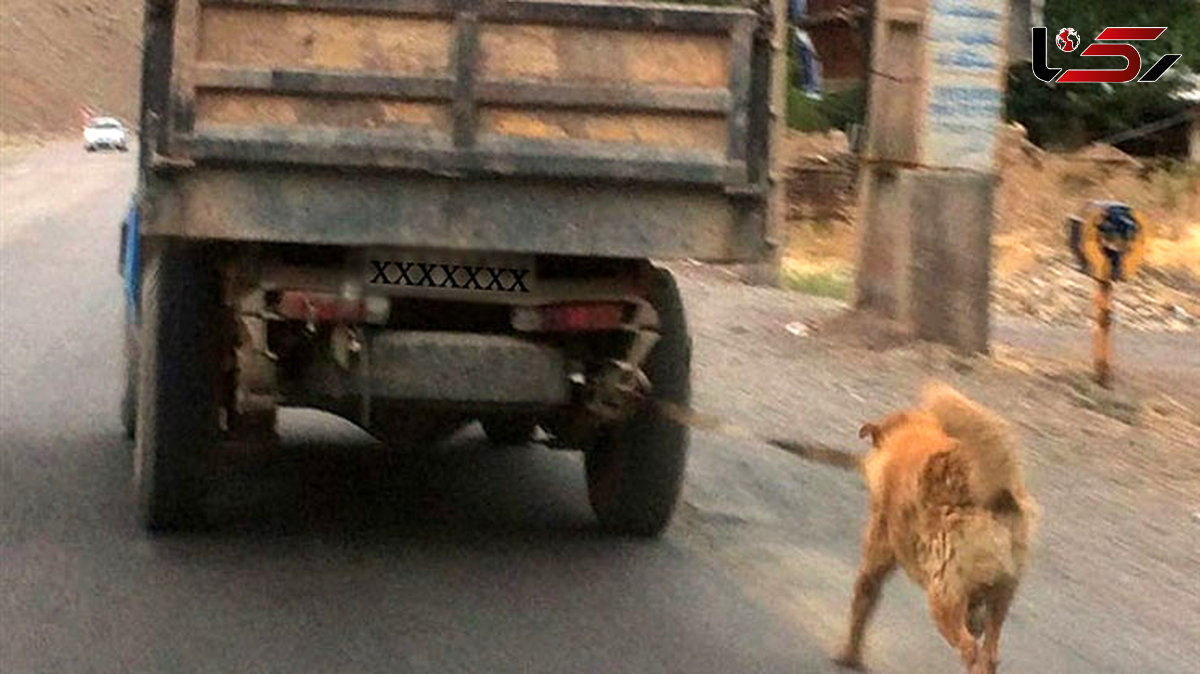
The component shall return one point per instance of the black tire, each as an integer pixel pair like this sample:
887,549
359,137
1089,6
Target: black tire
177,402
508,431
129,396
635,473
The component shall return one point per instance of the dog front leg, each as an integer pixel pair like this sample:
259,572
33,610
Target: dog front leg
877,563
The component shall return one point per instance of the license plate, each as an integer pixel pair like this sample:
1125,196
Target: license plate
397,273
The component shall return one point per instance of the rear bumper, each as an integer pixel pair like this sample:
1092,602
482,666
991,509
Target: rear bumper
457,367
552,217
449,368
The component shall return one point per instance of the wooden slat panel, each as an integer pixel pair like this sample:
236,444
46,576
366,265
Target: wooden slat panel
266,38
566,89
605,56
604,97
700,134
255,109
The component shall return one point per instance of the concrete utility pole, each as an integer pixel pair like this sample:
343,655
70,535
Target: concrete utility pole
936,103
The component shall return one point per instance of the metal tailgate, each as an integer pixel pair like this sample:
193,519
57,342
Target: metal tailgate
456,87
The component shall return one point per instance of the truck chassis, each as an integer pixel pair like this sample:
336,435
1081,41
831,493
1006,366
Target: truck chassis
391,211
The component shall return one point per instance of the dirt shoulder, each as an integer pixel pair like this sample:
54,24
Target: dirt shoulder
1117,474
39,180
1034,272
57,57
14,149
1037,375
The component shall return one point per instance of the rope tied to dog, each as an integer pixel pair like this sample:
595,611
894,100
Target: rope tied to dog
813,452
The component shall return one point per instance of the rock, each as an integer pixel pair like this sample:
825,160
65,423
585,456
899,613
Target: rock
1055,293
1101,152
797,328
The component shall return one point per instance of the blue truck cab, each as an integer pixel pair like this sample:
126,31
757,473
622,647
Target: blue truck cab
129,266
128,262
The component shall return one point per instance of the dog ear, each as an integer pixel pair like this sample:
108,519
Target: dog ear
871,430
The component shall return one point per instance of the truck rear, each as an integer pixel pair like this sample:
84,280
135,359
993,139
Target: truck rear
419,213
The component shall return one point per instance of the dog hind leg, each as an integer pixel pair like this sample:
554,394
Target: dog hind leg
877,564
950,613
997,611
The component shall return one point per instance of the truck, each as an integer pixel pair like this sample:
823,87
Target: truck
417,214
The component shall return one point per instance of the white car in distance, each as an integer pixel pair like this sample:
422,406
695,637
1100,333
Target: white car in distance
105,133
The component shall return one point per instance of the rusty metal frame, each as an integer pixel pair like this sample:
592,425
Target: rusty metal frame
320,83
740,61
465,107
442,89
644,16
425,153
181,107
337,207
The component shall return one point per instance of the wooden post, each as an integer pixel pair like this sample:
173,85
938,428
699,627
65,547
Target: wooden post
935,104
1102,339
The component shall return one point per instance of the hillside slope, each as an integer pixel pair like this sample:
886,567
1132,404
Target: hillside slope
57,56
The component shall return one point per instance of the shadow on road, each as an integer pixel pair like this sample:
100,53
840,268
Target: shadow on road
351,485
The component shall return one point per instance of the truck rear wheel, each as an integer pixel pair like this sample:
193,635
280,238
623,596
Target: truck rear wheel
177,409
635,473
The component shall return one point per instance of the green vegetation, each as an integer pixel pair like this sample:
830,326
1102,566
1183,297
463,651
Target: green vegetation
835,110
1065,116
1072,115
834,284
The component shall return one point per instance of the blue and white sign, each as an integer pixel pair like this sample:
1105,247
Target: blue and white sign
965,97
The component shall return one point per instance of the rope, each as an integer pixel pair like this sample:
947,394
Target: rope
809,451
1147,129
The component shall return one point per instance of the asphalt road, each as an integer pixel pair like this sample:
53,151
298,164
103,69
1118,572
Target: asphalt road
337,556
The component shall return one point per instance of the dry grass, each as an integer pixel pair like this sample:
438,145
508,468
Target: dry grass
837,284
1037,191
1179,254
820,259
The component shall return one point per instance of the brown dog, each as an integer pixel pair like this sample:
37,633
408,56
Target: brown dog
948,504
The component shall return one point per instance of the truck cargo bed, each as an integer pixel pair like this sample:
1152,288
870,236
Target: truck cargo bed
584,128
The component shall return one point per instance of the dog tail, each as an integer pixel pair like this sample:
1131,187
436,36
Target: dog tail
997,479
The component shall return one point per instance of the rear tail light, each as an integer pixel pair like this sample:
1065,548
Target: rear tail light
574,317
331,308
